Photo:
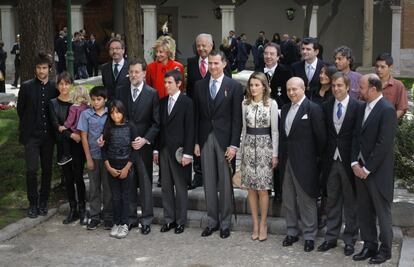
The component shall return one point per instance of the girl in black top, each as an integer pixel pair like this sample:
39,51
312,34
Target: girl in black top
117,157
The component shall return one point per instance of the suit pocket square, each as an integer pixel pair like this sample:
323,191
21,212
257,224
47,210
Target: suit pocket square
304,117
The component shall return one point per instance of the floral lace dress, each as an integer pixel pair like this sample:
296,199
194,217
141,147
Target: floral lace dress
259,144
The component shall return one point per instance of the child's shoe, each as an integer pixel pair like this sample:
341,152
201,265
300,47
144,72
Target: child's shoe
93,224
123,231
114,231
63,160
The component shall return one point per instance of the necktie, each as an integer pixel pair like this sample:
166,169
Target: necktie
203,70
170,104
135,93
309,73
339,112
116,71
290,117
366,114
213,89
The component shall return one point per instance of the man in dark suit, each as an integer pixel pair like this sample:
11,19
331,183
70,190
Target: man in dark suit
310,67
373,166
93,55
197,69
142,106
16,52
114,73
302,138
176,132
218,120
36,133
340,114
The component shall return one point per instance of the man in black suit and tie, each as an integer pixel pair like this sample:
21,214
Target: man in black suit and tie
114,73
341,115
373,166
16,52
302,139
176,133
310,67
93,55
197,69
142,105
218,120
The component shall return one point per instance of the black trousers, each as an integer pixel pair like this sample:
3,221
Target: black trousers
16,72
120,198
73,173
38,149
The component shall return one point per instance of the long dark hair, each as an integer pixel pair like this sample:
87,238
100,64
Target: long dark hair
109,124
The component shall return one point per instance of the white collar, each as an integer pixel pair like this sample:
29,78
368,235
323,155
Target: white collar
205,60
120,64
266,69
219,79
300,101
374,102
139,87
344,102
313,64
175,96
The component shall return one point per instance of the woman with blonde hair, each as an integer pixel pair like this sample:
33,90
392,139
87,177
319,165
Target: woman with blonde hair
260,138
164,51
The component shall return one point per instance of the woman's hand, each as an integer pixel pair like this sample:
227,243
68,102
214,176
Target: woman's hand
75,137
275,161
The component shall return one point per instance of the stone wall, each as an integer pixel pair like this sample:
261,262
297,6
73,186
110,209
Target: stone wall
407,21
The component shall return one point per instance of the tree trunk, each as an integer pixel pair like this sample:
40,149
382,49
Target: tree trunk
132,24
329,19
308,16
36,33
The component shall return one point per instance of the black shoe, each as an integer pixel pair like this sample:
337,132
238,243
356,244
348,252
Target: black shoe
326,245
32,212
146,229
379,258
73,215
364,254
289,240
64,160
179,229
93,224
43,209
132,225
349,250
224,233
167,227
208,231
309,245
108,225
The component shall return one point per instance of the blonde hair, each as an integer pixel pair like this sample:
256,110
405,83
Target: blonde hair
80,95
266,92
166,43
225,42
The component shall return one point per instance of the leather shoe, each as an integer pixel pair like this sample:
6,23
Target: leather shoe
309,245
224,233
32,212
364,254
379,258
132,225
208,231
167,227
326,245
146,229
289,240
349,250
179,229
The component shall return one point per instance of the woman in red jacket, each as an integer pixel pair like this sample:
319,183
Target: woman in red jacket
164,50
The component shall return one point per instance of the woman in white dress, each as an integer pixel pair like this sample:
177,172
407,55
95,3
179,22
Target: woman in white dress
260,137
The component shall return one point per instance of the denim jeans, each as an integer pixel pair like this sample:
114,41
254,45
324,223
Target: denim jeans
120,198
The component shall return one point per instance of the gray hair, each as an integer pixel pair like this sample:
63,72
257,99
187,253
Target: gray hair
207,36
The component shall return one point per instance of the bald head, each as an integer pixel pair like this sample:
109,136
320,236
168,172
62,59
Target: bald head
204,44
295,87
370,87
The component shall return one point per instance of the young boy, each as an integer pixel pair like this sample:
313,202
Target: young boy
91,124
176,134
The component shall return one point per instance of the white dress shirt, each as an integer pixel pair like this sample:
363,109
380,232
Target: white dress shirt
312,70
120,65
139,90
292,114
338,122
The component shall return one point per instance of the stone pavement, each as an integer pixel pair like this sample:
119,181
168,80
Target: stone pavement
54,244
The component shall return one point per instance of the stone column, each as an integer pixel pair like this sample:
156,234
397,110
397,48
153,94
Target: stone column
150,30
8,34
227,19
368,33
313,26
396,37
77,18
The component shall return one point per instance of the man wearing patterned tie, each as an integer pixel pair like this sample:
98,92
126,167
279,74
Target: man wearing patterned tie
218,123
114,72
341,115
197,69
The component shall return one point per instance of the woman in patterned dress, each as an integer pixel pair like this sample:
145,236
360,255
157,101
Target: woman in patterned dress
260,137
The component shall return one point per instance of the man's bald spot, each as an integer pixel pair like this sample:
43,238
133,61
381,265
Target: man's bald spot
297,81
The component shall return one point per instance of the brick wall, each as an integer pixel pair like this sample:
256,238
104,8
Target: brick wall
407,21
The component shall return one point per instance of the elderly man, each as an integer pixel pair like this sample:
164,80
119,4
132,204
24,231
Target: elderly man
373,165
302,139
197,69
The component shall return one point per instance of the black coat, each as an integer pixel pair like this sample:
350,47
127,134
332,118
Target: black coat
193,74
278,85
222,116
112,85
93,51
298,70
304,145
375,141
177,129
3,57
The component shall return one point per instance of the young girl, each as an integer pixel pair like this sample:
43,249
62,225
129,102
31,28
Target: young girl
117,156
80,99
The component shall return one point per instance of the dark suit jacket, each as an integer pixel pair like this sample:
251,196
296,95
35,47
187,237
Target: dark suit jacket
298,70
193,74
279,79
222,116
93,51
112,85
375,141
304,145
177,129
343,139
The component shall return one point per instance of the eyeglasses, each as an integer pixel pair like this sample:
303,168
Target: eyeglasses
115,49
